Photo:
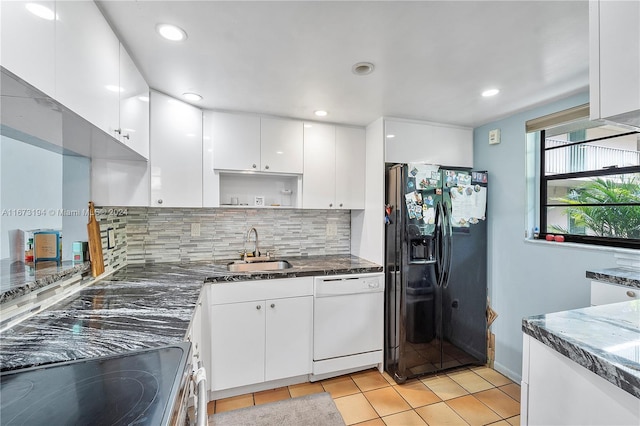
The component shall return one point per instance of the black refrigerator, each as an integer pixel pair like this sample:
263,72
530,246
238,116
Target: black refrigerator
436,269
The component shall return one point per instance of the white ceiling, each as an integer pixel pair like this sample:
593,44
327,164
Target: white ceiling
432,58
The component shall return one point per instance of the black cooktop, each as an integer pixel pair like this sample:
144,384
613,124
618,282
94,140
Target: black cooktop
136,388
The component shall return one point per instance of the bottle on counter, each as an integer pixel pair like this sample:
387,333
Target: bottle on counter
28,253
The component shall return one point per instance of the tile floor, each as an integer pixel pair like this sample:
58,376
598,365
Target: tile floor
466,396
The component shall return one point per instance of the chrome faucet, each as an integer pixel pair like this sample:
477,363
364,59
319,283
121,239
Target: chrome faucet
256,252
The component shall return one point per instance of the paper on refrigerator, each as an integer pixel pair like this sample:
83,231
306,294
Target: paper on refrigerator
468,204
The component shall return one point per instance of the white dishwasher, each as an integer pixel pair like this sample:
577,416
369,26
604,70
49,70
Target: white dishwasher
348,324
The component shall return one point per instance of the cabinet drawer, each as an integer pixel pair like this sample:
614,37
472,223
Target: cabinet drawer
245,291
605,293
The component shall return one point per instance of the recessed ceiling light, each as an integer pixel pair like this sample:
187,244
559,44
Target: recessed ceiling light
391,136
490,92
143,98
279,152
192,96
41,11
114,88
171,32
308,126
362,68
321,113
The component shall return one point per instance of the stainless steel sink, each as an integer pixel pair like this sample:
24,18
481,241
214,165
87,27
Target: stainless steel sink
271,265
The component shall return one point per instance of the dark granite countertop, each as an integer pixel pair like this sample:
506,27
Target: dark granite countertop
18,278
139,306
300,267
604,339
620,276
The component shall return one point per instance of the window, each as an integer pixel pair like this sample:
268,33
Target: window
589,183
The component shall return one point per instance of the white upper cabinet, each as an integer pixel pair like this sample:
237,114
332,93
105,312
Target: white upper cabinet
248,142
319,179
334,164
176,153
87,57
281,145
133,129
28,44
421,142
350,167
235,139
614,61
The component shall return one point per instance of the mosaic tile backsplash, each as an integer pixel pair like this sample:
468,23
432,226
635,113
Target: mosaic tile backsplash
155,235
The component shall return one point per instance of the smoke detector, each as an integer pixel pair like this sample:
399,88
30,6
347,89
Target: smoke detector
362,68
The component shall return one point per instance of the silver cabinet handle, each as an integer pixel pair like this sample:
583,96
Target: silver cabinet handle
254,166
330,204
118,131
266,167
126,137
631,293
160,201
259,307
273,305
340,204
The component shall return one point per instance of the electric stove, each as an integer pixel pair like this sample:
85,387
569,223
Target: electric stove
143,387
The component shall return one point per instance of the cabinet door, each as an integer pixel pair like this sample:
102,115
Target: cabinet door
28,44
288,337
134,106
87,70
120,183
236,141
237,344
416,142
605,293
318,180
615,59
176,153
350,167
281,146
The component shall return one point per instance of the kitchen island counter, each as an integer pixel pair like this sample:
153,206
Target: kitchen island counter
603,339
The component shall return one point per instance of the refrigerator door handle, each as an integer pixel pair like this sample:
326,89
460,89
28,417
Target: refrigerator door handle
448,244
440,252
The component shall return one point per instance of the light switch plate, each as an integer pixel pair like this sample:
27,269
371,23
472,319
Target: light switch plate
195,229
494,136
332,229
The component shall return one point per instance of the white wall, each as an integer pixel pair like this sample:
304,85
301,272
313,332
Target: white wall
525,277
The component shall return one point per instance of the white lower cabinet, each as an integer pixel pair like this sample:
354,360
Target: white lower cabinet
260,331
603,293
557,391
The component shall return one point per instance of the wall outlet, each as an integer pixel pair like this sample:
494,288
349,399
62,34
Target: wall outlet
195,229
332,229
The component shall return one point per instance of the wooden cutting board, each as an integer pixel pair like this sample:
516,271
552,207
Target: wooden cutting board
95,242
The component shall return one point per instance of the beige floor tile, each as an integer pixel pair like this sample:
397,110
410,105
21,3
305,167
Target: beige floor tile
386,401
374,422
440,414
472,410
444,387
492,376
500,423
340,386
499,402
470,381
355,409
417,394
271,395
513,390
514,421
388,378
305,389
233,403
406,418
369,380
